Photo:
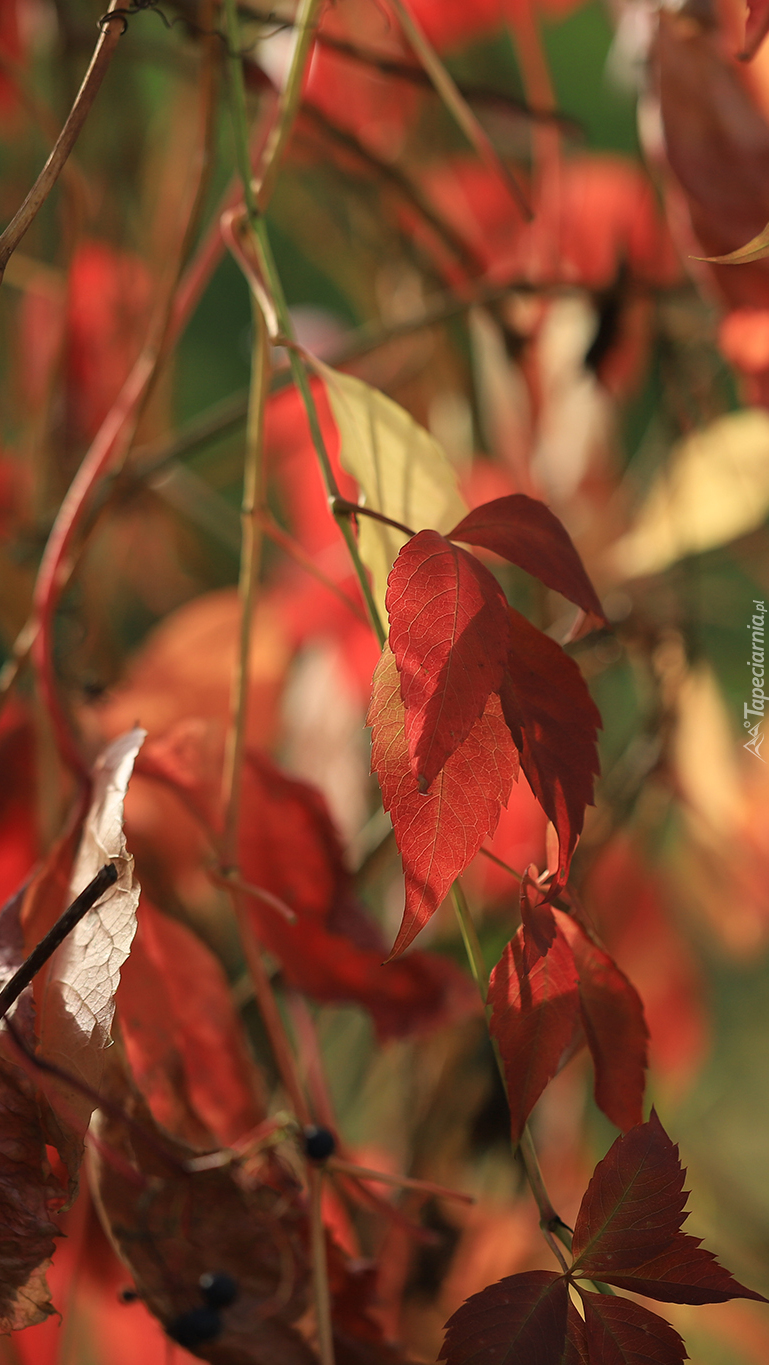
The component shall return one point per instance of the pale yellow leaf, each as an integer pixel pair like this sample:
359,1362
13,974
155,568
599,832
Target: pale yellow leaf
79,1000
400,468
754,250
714,487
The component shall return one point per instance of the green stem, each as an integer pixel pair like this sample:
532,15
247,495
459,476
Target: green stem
289,108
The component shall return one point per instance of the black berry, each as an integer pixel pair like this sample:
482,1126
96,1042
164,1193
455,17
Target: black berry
128,1295
195,1327
319,1143
219,1291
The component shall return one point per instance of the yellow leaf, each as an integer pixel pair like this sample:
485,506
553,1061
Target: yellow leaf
714,487
754,250
400,468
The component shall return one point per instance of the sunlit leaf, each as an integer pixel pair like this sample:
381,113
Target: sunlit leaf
526,532
449,632
437,832
400,468
79,998
754,250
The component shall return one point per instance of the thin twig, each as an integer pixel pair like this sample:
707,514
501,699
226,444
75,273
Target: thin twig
405,1182
104,879
342,507
109,37
457,105
492,857
322,1294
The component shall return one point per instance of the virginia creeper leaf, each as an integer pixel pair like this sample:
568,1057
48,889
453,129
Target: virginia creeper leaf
620,1332
535,1012
438,832
614,1024
520,1319
628,1227
449,632
553,721
79,997
526,532
183,1038
400,468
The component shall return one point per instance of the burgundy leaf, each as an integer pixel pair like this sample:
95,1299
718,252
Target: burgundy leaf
449,632
614,1024
628,1227
535,1011
620,1332
537,920
438,832
521,1318
526,532
553,721
575,1351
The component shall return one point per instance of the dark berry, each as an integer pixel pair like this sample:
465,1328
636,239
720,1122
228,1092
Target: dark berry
319,1143
195,1327
219,1291
128,1295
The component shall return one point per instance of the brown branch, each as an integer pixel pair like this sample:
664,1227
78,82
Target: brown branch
104,879
102,56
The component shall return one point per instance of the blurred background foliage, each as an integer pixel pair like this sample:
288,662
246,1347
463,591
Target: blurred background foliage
582,358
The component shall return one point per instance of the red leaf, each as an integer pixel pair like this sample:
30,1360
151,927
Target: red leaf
184,1041
534,1015
553,720
334,952
440,831
614,1024
450,633
628,1227
576,1342
526,532
620,1332
522,1317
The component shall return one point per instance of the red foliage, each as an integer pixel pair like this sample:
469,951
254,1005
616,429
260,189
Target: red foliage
438,832
449,633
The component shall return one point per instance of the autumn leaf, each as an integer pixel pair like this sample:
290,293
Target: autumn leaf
520,1318
628,1230
437,832
400,468
619,1332
78,1001
553,721
535,1012
525,531
449,632
184,1041
615,1028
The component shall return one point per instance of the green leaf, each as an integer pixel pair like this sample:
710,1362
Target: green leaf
400,468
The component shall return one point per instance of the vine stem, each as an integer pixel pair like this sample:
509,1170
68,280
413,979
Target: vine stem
288,109
250,561
550,1222
109,37
457,105
320,1268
